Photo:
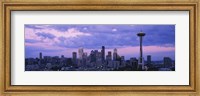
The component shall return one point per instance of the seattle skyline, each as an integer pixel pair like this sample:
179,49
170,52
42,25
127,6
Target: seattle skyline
63,39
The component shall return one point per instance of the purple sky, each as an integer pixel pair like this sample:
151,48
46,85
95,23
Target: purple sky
63,39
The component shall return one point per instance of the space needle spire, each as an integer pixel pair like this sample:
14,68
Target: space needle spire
141,59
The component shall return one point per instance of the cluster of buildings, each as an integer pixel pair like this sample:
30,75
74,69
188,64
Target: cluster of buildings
98,61
95,61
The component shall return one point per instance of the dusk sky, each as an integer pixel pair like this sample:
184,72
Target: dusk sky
63,39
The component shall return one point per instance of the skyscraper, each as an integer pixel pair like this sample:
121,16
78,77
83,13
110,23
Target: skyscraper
74,57
85,55
92,56
103,54
109,56
84,59
80,53
148,59
115,54
134,64
40,55
98,56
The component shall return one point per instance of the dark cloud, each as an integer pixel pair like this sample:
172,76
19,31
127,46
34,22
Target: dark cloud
32,26
31,41
46,35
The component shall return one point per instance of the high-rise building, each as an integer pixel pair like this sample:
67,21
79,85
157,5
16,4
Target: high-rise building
115,54
148,59
85,55
84,59
122,61
98,56
40,55
109,56
167,62
80,53
109,53
103,54
74,57
134,64
92,56
80,59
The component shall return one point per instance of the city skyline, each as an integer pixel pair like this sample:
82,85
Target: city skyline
89,52
57,40
98,61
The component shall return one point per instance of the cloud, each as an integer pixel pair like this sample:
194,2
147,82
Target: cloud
32,26
51,36
71,32
113,30
75,33
85,28
46,35
31,41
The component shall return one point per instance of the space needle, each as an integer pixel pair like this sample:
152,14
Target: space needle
141,59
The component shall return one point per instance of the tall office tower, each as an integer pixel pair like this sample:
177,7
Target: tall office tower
133,63
109,56
103,54
115,54
84,59
122,61
85,55
98,56
167,62
80,53
92,56
40,55
95,52
141,59
98,61
74,57
148,59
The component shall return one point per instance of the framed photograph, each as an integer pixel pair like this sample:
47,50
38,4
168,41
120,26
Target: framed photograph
100,46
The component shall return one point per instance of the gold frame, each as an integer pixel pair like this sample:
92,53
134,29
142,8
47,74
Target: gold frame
191,6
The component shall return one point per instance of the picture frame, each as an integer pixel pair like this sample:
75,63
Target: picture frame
99,5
